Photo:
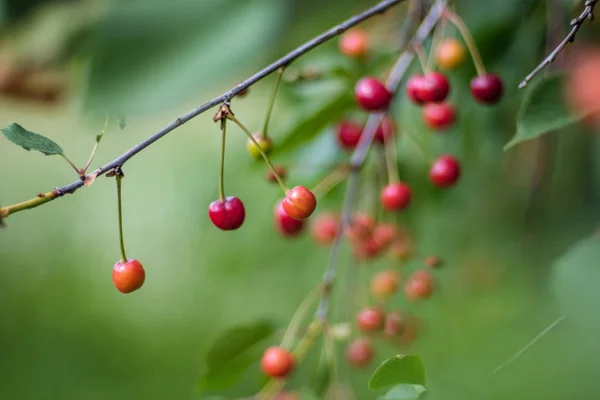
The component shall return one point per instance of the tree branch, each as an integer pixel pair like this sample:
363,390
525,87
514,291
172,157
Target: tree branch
587,13
362,149
282,62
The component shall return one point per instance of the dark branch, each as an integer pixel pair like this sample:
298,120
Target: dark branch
587,13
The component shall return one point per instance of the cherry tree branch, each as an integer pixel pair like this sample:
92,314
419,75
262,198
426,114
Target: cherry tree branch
587,13
360,154
227,96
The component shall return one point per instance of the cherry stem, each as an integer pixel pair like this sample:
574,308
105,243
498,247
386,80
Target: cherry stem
391,157
118,178
331,181
71,163
468,38
298,317
272,101
222,173
438,34
420,52
262,153
329,348
98,139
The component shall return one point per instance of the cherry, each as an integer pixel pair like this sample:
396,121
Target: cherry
414,87
395,196
299,203
354,43
324,228
370,319
128,276
419,286
384,234
348,134
385,129
385,284
228,214
360,228
438,116
281,171
433,261
372,95
394,325
433,88
449,54
277,362
359,352
285,224
486,89
264,142
445,171
367,249
401,248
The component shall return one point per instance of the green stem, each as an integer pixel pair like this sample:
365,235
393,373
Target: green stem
120,206
26,205
292,330
98,139
222,173
262,153
272,101
418,49
331,181
468,38
438,34
71,163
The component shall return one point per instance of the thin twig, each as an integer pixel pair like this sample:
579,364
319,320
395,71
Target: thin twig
587,13
282,62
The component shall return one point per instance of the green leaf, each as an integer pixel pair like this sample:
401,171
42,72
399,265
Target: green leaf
543,110
31,141
320,378
405,392
397,370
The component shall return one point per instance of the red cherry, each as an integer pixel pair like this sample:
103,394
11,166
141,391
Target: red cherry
438,116
434,88
324,228
277,362
385,129
281,171
228,214
348,134
394,324
372,95
445,171
367,249
360,228
385,284
395,196
384,234
299,203
128,276
359,352
419,286
486,89
354,43
370,319
286,225
413,88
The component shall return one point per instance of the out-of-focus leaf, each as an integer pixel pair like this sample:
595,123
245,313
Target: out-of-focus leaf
543,110
405,392
320,378
147,54
31,141
398,370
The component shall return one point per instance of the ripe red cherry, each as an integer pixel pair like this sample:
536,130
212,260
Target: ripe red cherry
394,324
385,129
128,276
438,116
434,88
419,286
348,134
395,196
385,284
414,86
277,362
286,225
324,228
445,171
281,171
370,319
486,89
299,203
354,43
359,352
372,95
228,214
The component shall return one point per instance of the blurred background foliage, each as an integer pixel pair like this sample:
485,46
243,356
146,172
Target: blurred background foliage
67,334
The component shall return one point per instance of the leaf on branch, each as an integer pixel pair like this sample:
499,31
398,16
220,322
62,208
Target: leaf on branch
398,370
543,110
31,141
404,392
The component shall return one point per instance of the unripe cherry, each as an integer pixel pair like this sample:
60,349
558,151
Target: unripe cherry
438,116
370,319
324,228
359,353
348,134
487,89
299,203
449,54
264,142
277,362
281,171
228,214
385,284
445,171
419,286
395,196
128,276
354,43
286,225
372,95
385,130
